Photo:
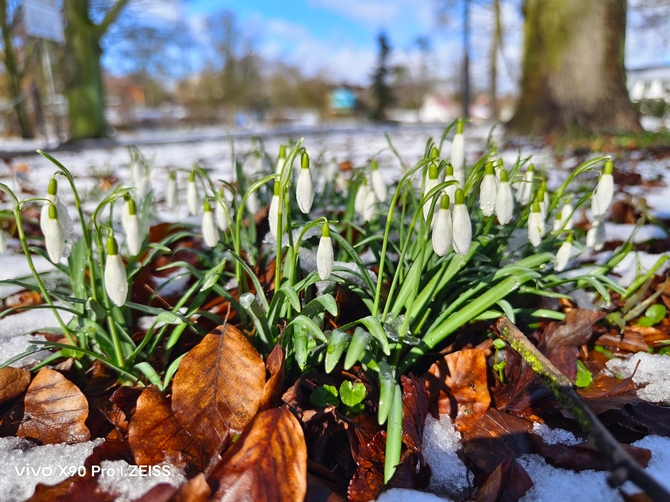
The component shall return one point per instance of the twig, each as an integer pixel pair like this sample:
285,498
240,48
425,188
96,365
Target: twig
622,466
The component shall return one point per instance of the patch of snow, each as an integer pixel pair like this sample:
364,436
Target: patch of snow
128,483
659,464
653,371
441,441
15,266
23,465
621,232
404,495
554,436
628,267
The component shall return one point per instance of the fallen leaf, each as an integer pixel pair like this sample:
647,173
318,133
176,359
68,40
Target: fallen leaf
459,383
218,387
629,341
272,391
194,490
368,481
156,436
268,462
414,411
13,382
55,410
22,299
507,483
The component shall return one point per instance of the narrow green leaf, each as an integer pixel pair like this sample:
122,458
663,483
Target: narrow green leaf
358,344
393,435
337,342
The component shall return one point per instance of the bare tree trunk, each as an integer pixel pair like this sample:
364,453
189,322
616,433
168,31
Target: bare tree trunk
496,37
573,69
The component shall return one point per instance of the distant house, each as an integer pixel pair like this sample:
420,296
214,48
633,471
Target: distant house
649,84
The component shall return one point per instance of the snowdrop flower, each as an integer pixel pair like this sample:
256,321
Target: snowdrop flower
378,184
487,191
524,187
458,154
63,216
253,203
53,234
192,195
462,228
504,200
596,237
442,229
210,234
131,226
361,194
304,188
451,189
273,213
431,182
116,281
563,219
324,254
330,171
171,191
222,212
3,241
535,225
369,205
543,197
563,255
602,195
281,159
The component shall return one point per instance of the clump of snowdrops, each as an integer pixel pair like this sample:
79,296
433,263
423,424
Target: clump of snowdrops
450,243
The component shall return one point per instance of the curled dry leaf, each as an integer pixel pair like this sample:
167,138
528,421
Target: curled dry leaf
458,382
156,436
13,382
218,387
508,482
272,391
268,462
55,410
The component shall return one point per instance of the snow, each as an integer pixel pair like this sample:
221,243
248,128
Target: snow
128,483
441,441
621,232
651,371
23,465
15,266
554,436
404,495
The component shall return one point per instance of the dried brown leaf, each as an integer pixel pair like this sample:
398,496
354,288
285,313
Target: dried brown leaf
268,462
13,382
508,483
194,490
55,410
272,391
156,436
459,383
218,387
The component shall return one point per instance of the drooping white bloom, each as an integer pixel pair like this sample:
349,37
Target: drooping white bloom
458,154
116,281
330,171
442,229
304,188
543,197
566,216
273,212
361,194
378,184
53,234
462,227
563,255
210,234
325,257
192,195
596,237
369,206
602,195
535,225
63,216
487,191
171,191
281,159
3,241
431,182
222,212
524,188
131,226
253,204
504,200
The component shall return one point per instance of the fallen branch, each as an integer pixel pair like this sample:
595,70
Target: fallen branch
622,466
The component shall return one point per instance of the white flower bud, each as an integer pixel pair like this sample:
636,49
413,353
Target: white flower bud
596,237
378,183
504,200
563,255
171,191
462,228
325,257
442,229
273,214
63,217
116,281
535,225
488,191
524,188
253,203
304,188
131,226
431,182
210,234
53,234
3,241
222,212
192,195
369,206
602,195
361,194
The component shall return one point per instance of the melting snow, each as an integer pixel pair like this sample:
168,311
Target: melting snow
653,373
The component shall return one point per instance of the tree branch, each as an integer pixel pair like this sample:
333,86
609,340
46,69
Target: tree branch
622,466
111,16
